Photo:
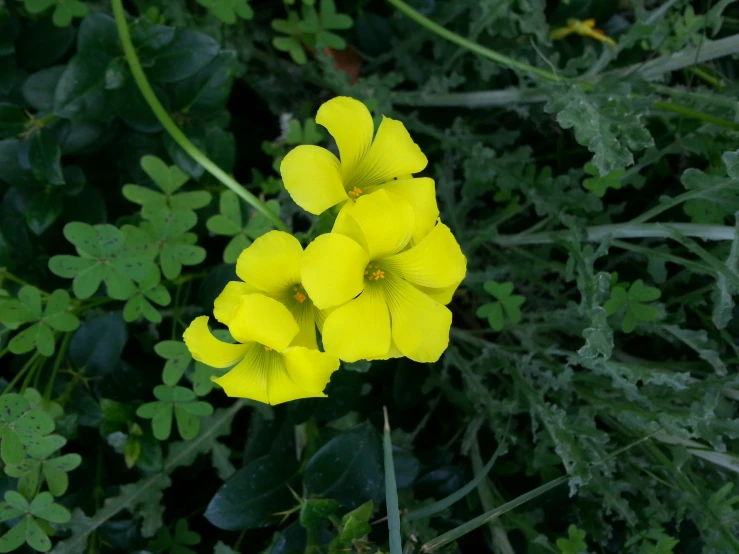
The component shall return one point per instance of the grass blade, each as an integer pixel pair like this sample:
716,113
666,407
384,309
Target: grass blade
458,495
473,524
391,491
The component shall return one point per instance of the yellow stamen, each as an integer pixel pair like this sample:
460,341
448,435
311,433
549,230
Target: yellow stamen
300,297
268,349
355,193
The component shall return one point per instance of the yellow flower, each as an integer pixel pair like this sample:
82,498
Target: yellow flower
317,180
267,369
584,28
271,266
383,299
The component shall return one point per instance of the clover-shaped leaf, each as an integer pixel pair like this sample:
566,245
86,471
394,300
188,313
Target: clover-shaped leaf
54,470
230,223
21,426
55,316
574,543
178,360
506,304
27,529
177,543
633,300
228,10
598,184
165,235
65,10
169,179
179,402
331,19
306,133
201,377
290,44
149,290
103,256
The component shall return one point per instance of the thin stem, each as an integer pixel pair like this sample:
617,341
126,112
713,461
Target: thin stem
622,231
472,46
22,371
168,123
679,199
57,362
37,366
693,114
4,274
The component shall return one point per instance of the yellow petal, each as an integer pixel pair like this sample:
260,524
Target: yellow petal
205,348
346,225
312,176
421,195
249,378
332,270
310,369
271,263
386,220
281,387
305,316
443,295
420,325
435,262
393,154
392,353
350,123
227,302
360,329
264,320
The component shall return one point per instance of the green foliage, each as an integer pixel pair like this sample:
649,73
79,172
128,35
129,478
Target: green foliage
616,170
505,305
176,543
179,402
230,223
600,184
55,316
574,543
228,10
311,29
633,300
64,12
103,256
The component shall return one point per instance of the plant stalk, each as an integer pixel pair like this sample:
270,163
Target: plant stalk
621,231
470,45
171,127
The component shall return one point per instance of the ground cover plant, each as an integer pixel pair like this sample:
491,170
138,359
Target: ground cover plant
559,375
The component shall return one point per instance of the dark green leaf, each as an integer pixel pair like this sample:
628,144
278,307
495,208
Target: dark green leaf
348,468
251,497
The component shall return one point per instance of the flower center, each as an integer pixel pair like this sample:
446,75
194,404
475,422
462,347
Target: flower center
374,273
299,293
355,193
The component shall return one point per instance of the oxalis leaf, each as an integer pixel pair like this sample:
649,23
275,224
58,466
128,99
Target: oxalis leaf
82,526
103,256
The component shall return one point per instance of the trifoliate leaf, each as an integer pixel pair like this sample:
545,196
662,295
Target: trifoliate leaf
228,10
180,403
169,179
574,543
103,256
633,300
506,303
600,184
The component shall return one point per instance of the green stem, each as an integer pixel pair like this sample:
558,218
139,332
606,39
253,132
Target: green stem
37,366
22,371
715,82
57,363
472,46
168,123
391,491
622,231
693,114
679,199
4,274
